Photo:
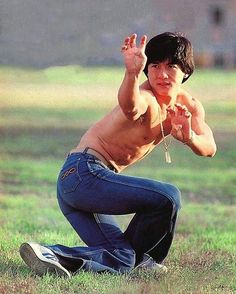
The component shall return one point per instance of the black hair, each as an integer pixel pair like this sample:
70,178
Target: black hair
173,47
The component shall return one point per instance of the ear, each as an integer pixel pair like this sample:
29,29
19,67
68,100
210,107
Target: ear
186,76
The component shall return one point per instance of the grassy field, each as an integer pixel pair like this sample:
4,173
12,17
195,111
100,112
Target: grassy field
43,113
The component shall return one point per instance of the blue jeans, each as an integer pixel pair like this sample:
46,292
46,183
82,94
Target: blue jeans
89,193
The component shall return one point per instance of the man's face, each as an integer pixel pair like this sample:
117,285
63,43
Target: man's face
165,78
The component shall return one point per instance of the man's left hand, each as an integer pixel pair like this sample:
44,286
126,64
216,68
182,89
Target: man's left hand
181,123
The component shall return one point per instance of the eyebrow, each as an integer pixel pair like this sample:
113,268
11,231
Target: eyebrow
168,63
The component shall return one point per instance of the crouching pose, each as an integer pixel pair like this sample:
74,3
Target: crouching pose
91,187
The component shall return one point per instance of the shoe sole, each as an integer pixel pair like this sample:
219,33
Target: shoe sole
41,265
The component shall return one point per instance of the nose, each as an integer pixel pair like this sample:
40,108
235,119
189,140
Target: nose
162,74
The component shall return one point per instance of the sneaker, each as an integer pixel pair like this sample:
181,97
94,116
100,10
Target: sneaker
42,260
149,263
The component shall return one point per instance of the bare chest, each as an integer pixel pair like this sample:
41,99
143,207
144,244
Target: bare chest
153,133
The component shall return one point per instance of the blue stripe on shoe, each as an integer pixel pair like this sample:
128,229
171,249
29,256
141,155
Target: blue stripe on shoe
50,256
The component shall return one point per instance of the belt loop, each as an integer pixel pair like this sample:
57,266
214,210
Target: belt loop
85,150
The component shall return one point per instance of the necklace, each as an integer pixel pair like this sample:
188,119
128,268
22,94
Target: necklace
166,144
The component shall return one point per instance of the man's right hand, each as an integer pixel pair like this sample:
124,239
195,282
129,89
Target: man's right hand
134,56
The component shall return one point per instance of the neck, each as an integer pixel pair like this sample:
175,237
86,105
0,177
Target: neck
166,101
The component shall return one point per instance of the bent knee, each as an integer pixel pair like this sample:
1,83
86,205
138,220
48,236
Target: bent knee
174,195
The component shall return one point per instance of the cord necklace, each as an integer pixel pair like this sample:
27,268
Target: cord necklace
166,144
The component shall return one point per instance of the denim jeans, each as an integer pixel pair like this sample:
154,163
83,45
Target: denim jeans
89,194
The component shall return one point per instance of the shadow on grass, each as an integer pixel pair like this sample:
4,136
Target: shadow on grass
13,269
39,142
16,278
200,179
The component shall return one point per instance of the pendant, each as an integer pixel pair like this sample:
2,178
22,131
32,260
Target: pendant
167,156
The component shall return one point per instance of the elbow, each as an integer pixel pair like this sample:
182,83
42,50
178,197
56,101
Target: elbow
210,152
213,151
132,114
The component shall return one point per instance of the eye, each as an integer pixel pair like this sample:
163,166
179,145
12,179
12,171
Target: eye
175,66
155,65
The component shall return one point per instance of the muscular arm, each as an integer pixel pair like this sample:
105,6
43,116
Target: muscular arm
131,100
189,127
202,141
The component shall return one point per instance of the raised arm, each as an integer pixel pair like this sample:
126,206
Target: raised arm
131,101
191,129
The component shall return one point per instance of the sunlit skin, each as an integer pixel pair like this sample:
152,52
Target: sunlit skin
132,129
165,79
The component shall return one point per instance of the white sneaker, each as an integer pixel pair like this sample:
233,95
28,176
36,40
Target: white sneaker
42,260
148,263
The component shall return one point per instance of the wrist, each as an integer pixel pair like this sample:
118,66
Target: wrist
191,139
133,74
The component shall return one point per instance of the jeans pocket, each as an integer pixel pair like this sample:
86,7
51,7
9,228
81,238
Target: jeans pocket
96,168
69,179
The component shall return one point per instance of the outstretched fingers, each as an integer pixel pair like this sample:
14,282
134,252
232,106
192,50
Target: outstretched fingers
130,42
133,40
182,110
125,44
143,43
170,112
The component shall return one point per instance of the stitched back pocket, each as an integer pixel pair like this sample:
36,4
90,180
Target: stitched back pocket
69,178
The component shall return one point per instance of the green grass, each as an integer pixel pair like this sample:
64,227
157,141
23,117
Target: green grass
43,113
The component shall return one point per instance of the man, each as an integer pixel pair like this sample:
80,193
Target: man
90,186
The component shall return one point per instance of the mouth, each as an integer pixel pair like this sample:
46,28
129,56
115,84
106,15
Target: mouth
164,84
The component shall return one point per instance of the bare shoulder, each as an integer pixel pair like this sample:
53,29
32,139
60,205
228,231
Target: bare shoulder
151,114
145,86
193,104
147,93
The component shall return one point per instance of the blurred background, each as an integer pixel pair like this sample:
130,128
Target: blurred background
46,32
60,70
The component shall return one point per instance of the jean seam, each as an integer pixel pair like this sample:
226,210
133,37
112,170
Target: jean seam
84,253
138,186
96,217
104,177
96,174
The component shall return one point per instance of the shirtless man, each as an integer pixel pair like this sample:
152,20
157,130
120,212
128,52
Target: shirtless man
90,186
